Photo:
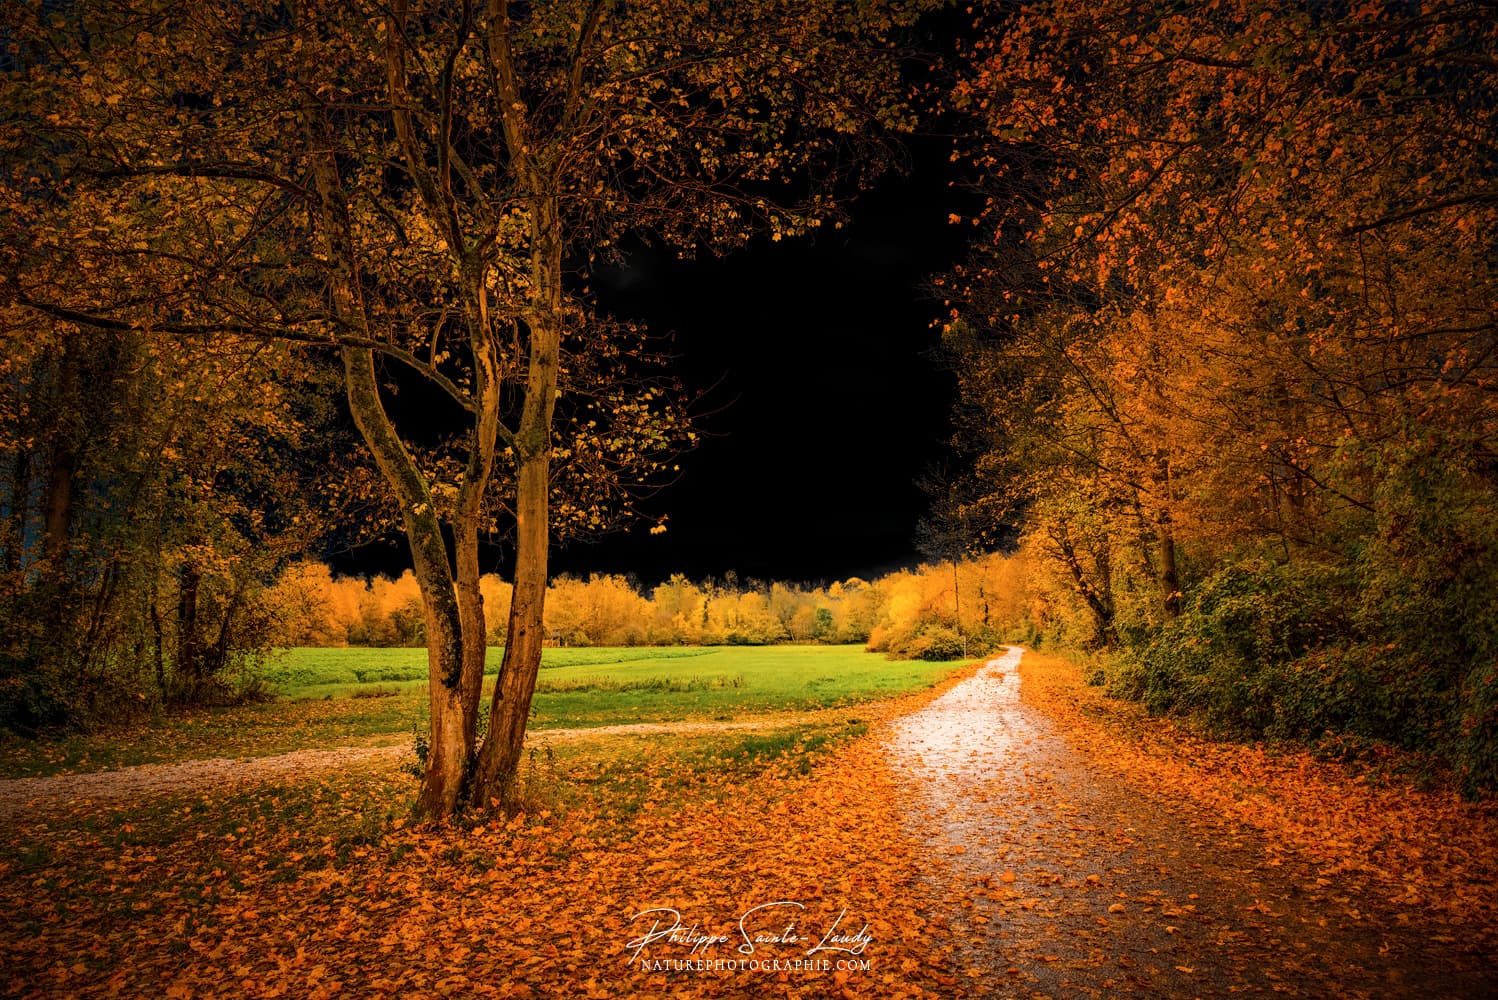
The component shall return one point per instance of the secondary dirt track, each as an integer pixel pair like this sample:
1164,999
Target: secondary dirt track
67,791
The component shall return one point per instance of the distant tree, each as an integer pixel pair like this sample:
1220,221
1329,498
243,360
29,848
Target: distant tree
822,624
680,608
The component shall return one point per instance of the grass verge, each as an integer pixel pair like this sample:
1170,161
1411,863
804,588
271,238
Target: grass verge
327,705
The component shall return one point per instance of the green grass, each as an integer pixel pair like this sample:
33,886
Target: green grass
317,673
337,697
722,682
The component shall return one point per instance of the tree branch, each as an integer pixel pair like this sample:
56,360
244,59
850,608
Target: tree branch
257,332
225,171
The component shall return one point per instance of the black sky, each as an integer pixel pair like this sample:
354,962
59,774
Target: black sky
832,403
826,403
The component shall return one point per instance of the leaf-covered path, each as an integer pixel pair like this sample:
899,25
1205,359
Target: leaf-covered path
1064,882
987,846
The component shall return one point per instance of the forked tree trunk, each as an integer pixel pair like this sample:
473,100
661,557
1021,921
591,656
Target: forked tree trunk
452,648
499,757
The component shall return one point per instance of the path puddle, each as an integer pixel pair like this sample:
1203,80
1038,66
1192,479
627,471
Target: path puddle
1066,883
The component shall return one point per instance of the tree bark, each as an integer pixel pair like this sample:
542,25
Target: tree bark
449,645
1169,578
450,744
499,758
57,498
1099,603
189,656
158,639
20,511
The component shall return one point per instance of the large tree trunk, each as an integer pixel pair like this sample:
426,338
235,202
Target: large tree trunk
450,744
449,582
450,646
499,758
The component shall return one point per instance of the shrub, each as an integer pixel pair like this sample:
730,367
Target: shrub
1475,744
1228,656
1293,651
928,641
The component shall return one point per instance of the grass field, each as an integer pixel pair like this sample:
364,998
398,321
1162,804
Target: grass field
339,697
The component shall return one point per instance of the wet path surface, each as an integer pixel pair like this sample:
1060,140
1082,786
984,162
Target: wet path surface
1067,883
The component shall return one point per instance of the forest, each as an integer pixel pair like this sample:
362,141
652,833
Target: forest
280,276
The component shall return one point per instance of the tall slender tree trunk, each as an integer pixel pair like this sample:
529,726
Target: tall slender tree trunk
1170,578
499,758
19,520
451,651
189,655
57,502
451,733
1165,538
158,639
476,477
449,580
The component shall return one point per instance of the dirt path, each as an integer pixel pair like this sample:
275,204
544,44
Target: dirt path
1064,884
37,795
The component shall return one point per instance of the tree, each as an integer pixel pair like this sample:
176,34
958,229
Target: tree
423,189
947,533
149,493
1262,194
1237,261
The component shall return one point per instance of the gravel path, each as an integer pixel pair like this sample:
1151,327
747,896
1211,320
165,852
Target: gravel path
1065,882
69,791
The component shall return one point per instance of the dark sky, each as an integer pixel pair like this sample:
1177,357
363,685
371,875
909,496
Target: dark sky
833,404
826,402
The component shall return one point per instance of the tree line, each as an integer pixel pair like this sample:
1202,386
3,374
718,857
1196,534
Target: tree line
919,613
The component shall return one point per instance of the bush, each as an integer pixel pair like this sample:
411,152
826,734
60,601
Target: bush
1229,657
1293,652
934,642
1475,745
